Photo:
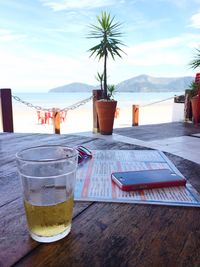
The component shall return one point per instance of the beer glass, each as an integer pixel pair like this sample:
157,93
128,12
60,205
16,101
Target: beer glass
48,178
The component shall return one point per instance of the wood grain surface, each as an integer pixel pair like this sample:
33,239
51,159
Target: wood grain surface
103,234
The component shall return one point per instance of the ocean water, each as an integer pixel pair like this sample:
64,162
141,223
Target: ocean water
62,100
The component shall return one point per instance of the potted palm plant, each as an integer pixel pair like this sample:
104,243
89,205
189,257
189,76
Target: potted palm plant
107,32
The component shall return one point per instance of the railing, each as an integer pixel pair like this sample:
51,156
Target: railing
56,117
6,110
136,108
7,113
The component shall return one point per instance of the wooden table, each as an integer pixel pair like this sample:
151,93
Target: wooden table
103,234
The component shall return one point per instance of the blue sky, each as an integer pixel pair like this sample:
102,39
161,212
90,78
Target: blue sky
43,43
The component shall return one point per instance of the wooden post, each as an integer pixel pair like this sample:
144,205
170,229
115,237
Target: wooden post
6,113
135,115
56,121
97,94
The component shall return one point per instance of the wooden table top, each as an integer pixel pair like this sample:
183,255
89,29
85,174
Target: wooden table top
103,234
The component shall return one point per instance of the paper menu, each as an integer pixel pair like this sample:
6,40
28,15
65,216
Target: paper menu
94,183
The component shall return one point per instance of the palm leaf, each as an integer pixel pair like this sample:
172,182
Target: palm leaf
107,32
195,63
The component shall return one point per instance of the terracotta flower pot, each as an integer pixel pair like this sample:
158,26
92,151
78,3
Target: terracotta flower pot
195,109
106,113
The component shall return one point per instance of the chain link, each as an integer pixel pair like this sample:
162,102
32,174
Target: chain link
76,105
156,102
72,107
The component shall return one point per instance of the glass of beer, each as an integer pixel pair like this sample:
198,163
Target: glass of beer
48,176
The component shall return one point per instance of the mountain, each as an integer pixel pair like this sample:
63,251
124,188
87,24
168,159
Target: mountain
141,83
73,87
145,83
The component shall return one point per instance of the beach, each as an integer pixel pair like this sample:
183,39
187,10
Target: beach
80,119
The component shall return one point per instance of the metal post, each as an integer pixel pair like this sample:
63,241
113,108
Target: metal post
6,113
135,115
97,94
56,121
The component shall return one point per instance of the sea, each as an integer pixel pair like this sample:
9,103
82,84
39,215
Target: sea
153,108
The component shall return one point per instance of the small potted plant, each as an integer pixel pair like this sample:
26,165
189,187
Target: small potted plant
194,98
107,32
195,88
106,112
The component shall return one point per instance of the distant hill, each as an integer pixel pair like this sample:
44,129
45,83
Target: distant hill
73,87
145,83
141,83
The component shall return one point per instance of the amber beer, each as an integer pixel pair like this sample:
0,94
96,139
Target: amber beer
48,176
49,220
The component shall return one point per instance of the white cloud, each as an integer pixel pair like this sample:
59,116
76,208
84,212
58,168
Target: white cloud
171,51
154,52
28,70
192,40
34,71
195,21
59,5
7,36
163,43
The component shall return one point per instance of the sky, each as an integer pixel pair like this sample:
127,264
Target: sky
44,44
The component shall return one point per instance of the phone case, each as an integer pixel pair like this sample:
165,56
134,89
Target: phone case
146,179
